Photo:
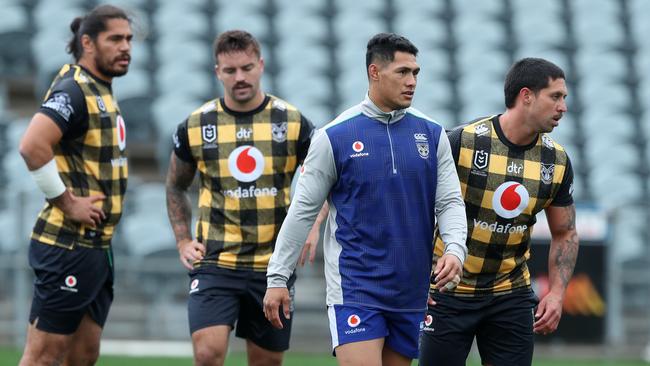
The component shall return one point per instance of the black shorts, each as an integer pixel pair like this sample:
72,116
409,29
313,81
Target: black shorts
69,284
503,326
220,296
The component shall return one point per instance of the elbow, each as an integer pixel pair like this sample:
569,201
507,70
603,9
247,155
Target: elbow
25,150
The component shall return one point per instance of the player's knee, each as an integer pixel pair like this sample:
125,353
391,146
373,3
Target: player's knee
42,358
270,359
86,355
207,355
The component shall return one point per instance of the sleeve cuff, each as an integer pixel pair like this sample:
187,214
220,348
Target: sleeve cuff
276,280
456,250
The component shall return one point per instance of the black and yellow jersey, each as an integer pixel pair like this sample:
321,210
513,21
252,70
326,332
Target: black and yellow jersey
246,162
91,156
504,187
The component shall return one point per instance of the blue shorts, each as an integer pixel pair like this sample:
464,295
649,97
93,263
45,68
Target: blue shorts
69,284
400,330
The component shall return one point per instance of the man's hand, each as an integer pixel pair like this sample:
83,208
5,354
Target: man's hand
81,209
310,246
548,314
448,271
274,298
190,251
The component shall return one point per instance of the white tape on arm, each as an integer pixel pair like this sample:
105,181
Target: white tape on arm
48,180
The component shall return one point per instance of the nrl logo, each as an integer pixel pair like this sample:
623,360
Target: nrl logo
422,144
481,159
209,133
279,131
547,173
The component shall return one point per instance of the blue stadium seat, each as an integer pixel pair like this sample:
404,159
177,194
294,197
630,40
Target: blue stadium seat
183,55
145,227
194,82
170,110
180,20
531,15
134,84
14,18
234,15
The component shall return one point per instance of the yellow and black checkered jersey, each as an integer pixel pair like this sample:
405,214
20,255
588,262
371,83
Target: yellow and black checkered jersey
91,156
504,187
246,162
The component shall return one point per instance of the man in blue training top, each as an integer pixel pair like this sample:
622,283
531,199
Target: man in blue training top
387,173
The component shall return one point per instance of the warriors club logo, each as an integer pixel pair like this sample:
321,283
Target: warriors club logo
246,163
547,172
510,199
121,133
422,145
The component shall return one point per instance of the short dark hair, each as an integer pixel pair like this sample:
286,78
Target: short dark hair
531,73
92,24
235,41
383,46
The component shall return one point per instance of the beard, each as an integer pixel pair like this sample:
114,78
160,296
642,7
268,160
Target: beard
106,68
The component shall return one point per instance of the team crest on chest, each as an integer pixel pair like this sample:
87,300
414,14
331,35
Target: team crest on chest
279,131
209,133
422,144
546,173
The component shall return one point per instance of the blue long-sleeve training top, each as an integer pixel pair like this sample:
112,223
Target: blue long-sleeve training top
386,177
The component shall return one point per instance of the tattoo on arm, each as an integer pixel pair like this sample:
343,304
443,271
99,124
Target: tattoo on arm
179,210
566,250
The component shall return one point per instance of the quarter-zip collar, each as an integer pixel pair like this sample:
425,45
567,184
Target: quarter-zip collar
371,110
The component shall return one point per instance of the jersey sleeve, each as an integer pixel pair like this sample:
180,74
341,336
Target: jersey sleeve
182,143
66,106
316,179
564,196
450,206
304,138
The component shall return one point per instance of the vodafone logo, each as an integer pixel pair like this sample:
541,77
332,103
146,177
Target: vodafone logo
428,320
71,281
194,285
121,133
510,199
357,146
354,320
246,163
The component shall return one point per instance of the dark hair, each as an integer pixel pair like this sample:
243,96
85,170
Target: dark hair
92,24
235,41
531,73
383,46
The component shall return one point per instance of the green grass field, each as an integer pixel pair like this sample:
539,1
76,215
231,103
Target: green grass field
11,356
